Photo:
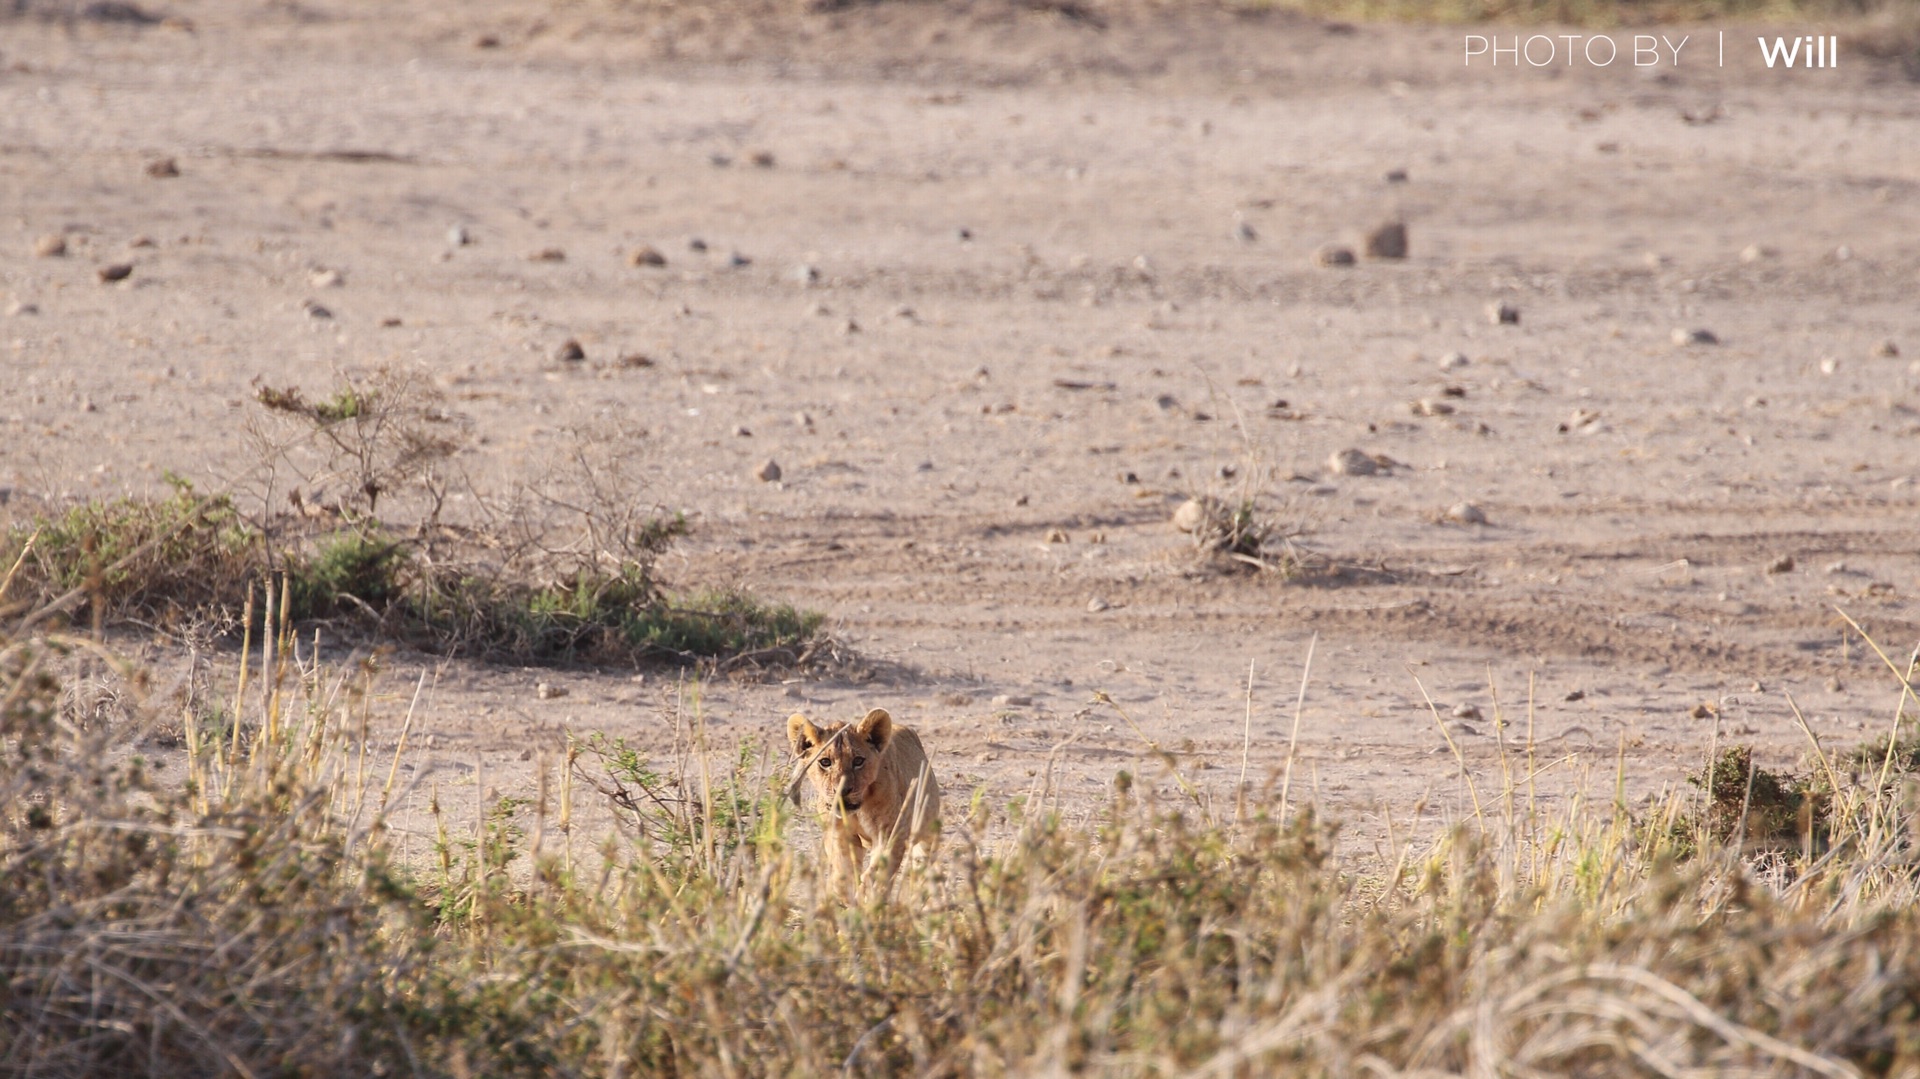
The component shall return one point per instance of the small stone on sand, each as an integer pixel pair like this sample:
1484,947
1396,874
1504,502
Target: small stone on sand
52,245
1466,513
570,351
1389,241
1333,255
1352,462
118,271
768,472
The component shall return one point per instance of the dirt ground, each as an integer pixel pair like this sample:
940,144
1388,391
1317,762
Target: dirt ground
1009,274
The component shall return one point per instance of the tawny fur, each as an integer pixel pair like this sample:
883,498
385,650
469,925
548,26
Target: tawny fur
875,791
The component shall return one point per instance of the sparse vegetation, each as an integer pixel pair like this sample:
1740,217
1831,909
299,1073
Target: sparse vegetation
1592,13
526,582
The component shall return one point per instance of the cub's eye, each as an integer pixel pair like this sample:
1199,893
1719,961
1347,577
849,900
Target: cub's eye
825,763
858,761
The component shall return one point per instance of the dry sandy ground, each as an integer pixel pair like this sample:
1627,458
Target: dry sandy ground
1636,492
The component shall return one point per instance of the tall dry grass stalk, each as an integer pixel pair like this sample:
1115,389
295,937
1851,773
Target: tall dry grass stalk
254,917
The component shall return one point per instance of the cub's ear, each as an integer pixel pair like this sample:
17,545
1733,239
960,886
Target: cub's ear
876,728
803,734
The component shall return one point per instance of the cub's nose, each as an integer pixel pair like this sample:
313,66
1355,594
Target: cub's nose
849,803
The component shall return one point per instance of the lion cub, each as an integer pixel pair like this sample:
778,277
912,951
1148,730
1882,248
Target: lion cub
875,790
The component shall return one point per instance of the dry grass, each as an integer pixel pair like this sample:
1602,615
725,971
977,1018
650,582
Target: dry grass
257,917
1592,13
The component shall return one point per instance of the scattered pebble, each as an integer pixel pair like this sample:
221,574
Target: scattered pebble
1702,710
1012,700
1575,695
164,169
636,359
1503,314
761,159
905,312
1426,407
737,260
118,271
768,472
315,311
1585,421
1467,729
646,255
1466,513
742,432
1096,605
139,242
963,234
18,308
547,691
1333,255
458,236
1754,253
1244,232
570,351
1783,564
1453,360
1685,337
326,279
696,244
1466,711
487,41
1353,462
1057,535
1389,241
1396,176
1886,350
548,254
52,245
1190,515
1829,365
806,274
849,328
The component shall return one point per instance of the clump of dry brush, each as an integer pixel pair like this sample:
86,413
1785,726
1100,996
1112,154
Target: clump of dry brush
250,909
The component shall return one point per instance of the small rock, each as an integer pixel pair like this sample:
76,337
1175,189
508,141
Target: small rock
636,359
1702,710
1454,360
1389,241
1783,564
1829,365
1503,314
1130,477
458,236
768,472
697,244
1096,605
164,169
646,255
1057,535
1020,500
1685,337
118,271
1754,253
570,351
849,328
487,41
52,245
547,691
1352,462
1190,515
720,161
963,234
905,312
1886,350
1466,513
315,311
326,279
742,432
87,405
1244,232
1396,176
761,159
805,274
1426,407
1012,700
17,308
1466,711
1333,255
735,260
1575,695
548,254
